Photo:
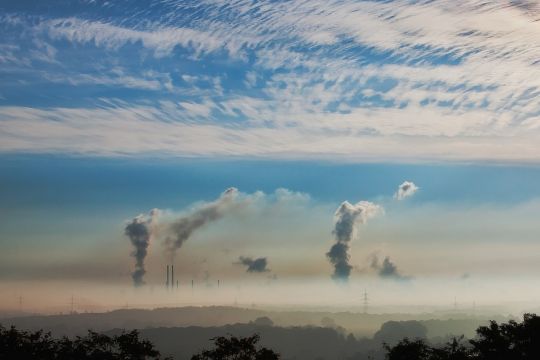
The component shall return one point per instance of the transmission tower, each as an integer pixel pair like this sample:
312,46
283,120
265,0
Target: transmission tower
366,302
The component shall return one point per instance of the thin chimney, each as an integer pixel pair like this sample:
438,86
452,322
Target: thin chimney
167,277
172,276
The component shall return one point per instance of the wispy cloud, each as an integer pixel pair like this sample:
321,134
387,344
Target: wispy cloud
164,129
361,80
162,40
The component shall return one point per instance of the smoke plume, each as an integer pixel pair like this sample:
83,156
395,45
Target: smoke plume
387,269
406,190
347,218
253,265
180,230
140,232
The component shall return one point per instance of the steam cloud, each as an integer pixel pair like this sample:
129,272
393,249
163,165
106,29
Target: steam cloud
406,190
347,218
254,265
176,231
140,232
181,229
387,269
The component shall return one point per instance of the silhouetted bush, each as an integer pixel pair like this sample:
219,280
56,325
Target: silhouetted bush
507,341
512,340
19,344
237,349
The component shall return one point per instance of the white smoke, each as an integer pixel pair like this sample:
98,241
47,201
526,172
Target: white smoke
405,190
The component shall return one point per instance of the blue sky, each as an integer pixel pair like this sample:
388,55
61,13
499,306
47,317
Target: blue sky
109,109
360,81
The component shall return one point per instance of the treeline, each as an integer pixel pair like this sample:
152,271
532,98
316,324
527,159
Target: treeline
19,344
505,341
362,325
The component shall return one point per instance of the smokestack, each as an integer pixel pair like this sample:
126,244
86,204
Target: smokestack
177,284
167,283
172,276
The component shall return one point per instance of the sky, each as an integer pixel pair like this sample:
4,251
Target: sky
423,116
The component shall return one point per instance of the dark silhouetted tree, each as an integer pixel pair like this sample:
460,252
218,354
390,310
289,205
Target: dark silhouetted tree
453,350
19,344
408,350
507,341
233,348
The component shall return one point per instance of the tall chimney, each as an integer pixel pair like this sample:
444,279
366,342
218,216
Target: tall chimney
172,277
167,283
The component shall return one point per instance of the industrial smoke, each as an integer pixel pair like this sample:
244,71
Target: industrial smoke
140,232
347,219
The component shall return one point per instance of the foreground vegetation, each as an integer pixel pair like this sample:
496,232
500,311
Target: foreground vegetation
18,344
505,341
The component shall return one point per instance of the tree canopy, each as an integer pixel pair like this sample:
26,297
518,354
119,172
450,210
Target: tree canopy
507,341
233,348
19,344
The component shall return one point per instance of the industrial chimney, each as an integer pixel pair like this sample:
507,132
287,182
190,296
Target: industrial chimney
172,277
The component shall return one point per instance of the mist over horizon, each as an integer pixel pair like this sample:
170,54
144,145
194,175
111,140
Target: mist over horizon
409,254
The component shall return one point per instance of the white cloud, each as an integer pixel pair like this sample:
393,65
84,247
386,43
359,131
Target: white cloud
465,80
121,129
405,190
162,41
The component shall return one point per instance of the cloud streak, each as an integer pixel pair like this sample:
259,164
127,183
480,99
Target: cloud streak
362,80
